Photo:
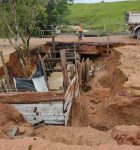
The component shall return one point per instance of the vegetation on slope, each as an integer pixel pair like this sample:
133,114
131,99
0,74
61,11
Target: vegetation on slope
102,16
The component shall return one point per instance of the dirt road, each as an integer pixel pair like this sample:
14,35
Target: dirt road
6,47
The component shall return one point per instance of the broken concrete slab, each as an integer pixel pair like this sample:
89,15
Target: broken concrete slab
12,131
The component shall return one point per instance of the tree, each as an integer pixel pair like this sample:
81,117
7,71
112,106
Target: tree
56,11
20,19
20,22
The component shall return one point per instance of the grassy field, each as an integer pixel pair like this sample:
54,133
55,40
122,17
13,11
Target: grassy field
102,16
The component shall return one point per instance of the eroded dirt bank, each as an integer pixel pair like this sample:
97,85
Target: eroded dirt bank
114,98
126,102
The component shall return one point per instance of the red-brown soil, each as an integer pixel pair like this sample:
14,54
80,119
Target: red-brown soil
85,136
95,114
9,114
40,144
127,134
14,66
118,104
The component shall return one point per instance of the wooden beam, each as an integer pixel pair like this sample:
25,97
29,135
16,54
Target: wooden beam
108,44
44,70
138,38
64,70
53,40
59,59
30,97
55,70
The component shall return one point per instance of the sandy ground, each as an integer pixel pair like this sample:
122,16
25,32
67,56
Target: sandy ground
40,144
55,80
37,144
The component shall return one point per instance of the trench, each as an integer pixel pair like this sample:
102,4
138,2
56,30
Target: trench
92,119
91,109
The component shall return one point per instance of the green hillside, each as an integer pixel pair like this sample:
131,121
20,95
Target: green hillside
102,16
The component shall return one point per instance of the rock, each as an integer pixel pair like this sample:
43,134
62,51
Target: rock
25,131
21,130
95,100
94,110
127,134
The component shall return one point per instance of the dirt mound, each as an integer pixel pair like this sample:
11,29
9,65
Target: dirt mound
74,135
9,114
103,108
127,134
14,66
105,81
38,144
117,147
9,117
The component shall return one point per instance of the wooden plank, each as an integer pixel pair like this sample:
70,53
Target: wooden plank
30,97
44,70
58,51
138,38
84,77
64,70
71,93
51,63
59,59
48,61
55,70
53,40
67,114
47,67
3,86
80,74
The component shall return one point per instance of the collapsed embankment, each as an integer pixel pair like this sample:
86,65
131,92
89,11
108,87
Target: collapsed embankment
125,92
119,102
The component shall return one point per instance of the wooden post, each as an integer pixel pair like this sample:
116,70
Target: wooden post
138,38
75,46
5,71
108,36
4,86
47,67
64,70
44,70
53,40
